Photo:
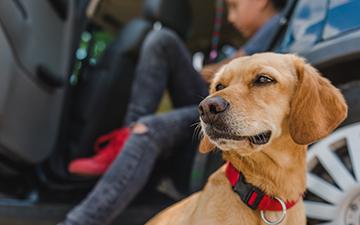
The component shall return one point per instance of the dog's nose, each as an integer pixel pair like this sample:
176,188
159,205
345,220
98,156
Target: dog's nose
210,108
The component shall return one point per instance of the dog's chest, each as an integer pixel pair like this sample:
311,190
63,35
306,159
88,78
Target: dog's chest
218,204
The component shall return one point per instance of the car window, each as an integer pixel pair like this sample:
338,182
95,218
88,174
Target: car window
306,26
343,16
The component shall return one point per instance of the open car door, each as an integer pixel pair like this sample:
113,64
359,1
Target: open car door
37,42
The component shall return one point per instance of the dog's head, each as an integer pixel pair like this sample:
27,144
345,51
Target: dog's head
257,99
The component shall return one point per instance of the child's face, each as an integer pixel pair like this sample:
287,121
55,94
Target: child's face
243,14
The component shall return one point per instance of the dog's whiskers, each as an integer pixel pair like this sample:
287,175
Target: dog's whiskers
197,132
195,124
201,97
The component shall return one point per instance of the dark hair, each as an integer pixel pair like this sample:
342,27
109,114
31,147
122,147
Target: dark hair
279,4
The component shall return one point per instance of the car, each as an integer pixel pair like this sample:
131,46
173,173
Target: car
53,104
327,34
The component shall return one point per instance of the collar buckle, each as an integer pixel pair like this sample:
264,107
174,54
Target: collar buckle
251,195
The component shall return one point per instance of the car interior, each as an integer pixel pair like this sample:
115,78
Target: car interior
49,115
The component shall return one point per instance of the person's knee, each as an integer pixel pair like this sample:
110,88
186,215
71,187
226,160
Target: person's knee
149,124
144,124
162,38
139,128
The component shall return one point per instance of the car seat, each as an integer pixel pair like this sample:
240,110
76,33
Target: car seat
37,41
98,104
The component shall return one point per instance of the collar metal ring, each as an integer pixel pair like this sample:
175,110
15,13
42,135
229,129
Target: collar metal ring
282,217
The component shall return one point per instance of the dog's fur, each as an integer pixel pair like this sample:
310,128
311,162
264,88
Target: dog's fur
299,108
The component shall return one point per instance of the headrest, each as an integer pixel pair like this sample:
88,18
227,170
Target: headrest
175,14
128,41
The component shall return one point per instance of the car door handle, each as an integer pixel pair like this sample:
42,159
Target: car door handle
49,78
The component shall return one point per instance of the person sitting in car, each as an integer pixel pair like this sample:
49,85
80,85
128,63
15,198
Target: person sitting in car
164,63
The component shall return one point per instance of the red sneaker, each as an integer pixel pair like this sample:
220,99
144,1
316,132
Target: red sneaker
107,147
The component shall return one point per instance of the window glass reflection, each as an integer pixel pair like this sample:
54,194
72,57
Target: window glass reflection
306,26
343,15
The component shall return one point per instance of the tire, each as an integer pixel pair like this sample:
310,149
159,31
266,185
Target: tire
351,92
333,194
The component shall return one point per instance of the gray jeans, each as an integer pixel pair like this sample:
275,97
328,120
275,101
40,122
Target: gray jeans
164,63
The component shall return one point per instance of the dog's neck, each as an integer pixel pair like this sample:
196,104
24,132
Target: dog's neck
278,170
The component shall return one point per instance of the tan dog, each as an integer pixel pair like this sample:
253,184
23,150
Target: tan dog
262,113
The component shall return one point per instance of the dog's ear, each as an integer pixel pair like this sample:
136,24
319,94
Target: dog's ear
317,107
206,145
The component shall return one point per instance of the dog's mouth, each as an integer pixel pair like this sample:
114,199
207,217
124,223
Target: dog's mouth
258,139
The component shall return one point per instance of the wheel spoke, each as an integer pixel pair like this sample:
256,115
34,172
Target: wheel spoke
335,168
324,190
316,210
324,153
353,142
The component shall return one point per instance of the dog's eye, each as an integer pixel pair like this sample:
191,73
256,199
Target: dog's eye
262,79
219,87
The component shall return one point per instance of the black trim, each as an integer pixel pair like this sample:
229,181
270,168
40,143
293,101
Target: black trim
60,8
283,23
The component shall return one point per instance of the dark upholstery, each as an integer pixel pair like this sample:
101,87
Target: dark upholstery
175,14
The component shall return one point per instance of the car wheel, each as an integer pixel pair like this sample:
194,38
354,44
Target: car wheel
333,188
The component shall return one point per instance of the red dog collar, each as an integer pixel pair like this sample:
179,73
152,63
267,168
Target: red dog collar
251,195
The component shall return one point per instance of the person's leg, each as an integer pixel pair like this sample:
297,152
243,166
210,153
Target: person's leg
129,172
164,63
